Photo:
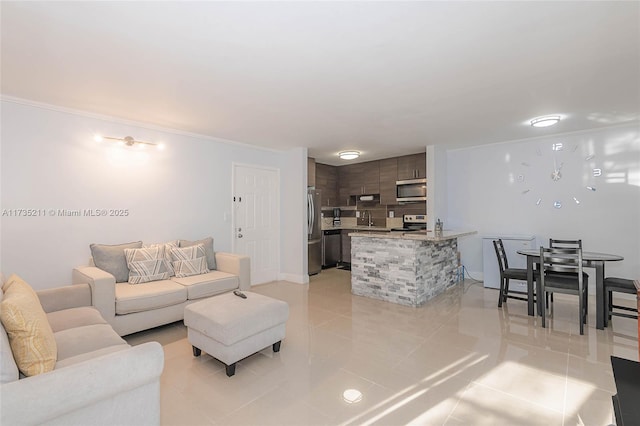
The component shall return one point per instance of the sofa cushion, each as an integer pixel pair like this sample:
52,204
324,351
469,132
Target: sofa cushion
189,261
74,317
8,367
90,355
146,264
146,296
208,249
209,284
79,340
30,335
110,258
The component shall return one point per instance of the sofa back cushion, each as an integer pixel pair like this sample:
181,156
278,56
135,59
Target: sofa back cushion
30,336
110,258
8,367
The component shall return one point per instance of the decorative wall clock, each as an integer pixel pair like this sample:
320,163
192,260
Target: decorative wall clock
558,175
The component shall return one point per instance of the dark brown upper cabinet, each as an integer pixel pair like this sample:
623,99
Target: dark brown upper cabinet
412,166
327,183
388,177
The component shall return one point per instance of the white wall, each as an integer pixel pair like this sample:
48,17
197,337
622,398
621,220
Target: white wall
294,217
486,195
437,192
50,161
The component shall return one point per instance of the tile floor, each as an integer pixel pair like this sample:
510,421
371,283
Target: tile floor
458,360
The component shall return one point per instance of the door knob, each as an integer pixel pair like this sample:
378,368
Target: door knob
239,235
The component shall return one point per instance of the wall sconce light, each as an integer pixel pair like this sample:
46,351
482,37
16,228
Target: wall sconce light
128,141
546,121
349,155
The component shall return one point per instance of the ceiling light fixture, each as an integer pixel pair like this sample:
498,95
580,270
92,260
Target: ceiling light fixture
349,155
128,141
351,396
546,121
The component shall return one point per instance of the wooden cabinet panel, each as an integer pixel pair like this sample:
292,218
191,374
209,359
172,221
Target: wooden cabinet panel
359,179
345,246
311,171
370,180
327,183
421,165
388,176
412,166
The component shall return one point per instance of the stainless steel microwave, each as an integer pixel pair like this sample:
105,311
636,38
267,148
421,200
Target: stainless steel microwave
411,190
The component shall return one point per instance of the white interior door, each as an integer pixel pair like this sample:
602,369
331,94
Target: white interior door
256,219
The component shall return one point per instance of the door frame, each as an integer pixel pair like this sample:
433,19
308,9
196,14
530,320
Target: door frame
234,168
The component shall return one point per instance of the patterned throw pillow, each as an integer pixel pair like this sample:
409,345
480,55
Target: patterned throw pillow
189,261
167,254
30,336
208,249
146,264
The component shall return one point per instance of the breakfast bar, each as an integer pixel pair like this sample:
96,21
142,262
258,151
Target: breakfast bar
407,268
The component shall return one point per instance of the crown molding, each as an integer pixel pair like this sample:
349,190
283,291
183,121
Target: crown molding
133,123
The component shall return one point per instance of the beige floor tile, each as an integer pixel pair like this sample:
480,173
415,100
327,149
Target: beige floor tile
480,405
588,408
597,374
457,360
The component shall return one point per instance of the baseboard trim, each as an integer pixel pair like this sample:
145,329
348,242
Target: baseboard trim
294,278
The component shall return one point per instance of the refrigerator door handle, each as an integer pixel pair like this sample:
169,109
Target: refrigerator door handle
309,213
313,214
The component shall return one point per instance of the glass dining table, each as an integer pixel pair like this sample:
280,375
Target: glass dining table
589,260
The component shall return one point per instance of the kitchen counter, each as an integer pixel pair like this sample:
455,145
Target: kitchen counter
407,268
358,228
415,235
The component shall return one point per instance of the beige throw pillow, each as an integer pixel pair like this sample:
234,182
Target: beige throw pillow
146,264
167,254
30,335
189,261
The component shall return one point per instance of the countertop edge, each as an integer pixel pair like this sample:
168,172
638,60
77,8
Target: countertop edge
430,236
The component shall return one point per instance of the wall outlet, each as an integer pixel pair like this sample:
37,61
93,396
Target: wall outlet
357,213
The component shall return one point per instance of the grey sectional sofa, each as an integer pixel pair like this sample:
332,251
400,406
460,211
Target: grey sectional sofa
98,378
132,308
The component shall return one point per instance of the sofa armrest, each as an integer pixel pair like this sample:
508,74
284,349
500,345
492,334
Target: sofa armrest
103,289
236,264
103,390
70,296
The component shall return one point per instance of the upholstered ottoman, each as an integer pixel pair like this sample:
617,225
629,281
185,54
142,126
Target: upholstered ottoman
230,328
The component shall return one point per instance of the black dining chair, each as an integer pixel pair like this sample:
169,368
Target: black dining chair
506,274
561,272
554,243
620,285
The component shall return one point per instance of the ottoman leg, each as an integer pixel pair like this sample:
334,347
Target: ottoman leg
231,369
196,351
276,346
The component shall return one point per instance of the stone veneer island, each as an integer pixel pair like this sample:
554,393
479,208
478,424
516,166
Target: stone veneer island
406,268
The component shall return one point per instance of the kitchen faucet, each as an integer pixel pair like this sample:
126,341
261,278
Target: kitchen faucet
367,213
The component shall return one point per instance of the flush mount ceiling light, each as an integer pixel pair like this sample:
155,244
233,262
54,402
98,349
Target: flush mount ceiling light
128,141
546,121
349,155
351,396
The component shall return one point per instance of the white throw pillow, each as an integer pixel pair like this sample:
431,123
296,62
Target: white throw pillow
189,261
146,264
167,254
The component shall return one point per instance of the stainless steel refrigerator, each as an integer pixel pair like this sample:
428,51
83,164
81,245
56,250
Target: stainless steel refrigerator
314,231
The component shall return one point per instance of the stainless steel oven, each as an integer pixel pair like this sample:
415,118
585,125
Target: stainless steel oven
411,190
